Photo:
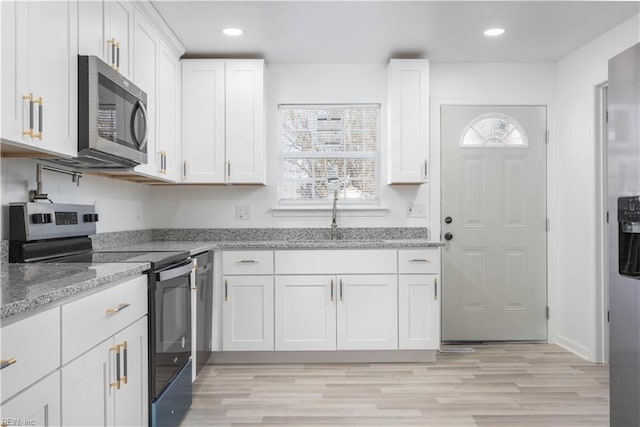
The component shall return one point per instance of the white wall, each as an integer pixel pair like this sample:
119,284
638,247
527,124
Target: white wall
206,206
122,205
573,271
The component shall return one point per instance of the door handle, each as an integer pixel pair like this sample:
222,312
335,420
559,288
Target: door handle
226,290
435,288
448,236
331,290
341,296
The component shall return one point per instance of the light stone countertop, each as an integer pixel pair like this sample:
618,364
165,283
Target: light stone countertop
25,287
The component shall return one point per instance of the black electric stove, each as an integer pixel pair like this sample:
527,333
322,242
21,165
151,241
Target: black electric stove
57,233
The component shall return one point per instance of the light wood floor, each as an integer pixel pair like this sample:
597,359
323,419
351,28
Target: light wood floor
498,385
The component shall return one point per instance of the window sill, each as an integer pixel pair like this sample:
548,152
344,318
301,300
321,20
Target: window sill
345,211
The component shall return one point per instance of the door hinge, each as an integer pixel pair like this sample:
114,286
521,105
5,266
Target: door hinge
547,312
548,224
546,136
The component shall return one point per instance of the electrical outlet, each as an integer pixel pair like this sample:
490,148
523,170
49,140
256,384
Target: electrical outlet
243,212
417,210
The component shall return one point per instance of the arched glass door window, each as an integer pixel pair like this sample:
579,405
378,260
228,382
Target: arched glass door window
494,130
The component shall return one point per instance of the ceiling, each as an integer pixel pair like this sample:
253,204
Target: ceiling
374,31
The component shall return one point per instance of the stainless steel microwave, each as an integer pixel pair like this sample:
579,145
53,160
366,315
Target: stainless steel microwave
113,124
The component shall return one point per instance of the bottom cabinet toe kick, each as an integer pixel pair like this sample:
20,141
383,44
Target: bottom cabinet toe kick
329,306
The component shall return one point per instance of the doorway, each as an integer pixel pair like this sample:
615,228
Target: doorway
494,263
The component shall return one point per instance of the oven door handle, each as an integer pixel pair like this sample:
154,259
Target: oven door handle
182,270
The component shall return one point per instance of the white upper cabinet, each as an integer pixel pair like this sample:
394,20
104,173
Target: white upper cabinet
39,76
168,113
105,30
223,121
408,121
145,76
245,121
203,110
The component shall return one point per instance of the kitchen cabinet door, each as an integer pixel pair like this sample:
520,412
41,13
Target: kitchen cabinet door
145,76
119,24
88,387
367,312
245,141
92,28
39,404
39,53
169,112
53,72
305,312
131,400
408,120
203,121
247,313
419,312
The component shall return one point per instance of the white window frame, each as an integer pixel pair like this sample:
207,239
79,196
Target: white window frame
326,203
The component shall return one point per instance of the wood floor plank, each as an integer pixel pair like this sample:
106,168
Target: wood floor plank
497,385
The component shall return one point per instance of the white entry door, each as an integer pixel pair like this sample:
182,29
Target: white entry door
494,269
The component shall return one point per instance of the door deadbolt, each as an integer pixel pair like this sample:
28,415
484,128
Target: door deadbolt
448,220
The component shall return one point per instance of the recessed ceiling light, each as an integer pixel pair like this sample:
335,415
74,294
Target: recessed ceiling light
232,32
494,32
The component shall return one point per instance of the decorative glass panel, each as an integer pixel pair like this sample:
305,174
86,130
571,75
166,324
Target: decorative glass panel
494,130
322,141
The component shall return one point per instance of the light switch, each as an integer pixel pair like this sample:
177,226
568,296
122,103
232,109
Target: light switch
243,212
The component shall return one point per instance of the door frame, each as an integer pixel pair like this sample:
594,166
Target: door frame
601,326
436,189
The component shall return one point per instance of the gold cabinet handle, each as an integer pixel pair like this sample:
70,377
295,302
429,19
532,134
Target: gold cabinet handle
120,307
117,45
124,377
116,383
112,43
29,98
8,362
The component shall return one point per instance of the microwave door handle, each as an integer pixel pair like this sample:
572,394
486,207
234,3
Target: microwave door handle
141,142
176,272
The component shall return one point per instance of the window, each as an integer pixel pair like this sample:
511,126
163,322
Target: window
494,130
319,142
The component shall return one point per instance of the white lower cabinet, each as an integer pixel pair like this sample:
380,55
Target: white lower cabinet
39,405
247,313
419,312
108,384
305,313
367,312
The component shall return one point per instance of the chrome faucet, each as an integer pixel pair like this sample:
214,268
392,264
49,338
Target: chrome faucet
334,222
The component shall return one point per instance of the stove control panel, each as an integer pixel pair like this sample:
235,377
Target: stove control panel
39,221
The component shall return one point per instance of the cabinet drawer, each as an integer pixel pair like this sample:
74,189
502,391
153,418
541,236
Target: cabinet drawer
332,261
34,345
419,261
90,320
247,262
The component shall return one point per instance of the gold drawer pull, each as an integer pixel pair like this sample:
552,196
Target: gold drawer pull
8,362
121,307
419,260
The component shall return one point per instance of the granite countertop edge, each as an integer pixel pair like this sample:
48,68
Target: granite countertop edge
55,295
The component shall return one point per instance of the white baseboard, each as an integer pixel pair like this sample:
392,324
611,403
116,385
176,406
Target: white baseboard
574,347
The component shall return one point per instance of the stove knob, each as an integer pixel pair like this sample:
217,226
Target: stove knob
47,218
90,217
37,218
